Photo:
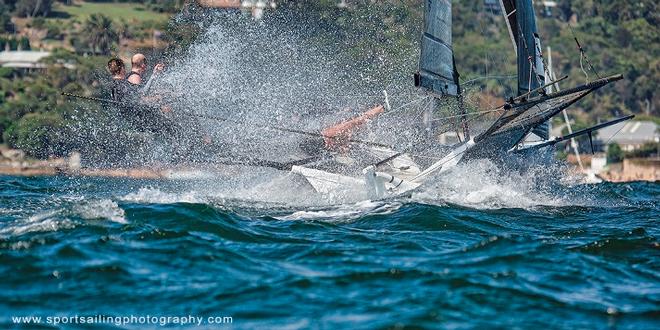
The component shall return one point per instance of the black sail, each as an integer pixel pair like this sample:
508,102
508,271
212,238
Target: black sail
436,66
521,20
526,47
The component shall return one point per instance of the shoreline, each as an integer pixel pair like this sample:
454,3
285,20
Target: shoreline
13,162
133,173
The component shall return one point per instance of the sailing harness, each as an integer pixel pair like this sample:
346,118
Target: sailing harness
133,73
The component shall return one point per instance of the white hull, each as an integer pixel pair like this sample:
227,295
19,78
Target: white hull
402,177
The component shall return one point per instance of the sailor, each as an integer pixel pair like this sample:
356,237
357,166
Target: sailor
139,68
118,88
141,112
337,138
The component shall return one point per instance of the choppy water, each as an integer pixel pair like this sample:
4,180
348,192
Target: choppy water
87,246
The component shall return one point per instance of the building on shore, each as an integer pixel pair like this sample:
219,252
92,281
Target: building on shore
632,137
28,60
255,7
629,135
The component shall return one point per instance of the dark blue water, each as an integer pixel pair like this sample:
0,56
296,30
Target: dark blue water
85,247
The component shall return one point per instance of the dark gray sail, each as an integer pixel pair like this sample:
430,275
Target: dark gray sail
436,66
527,47
521,20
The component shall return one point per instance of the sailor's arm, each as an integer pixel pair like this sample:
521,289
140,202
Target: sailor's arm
337,136
347,126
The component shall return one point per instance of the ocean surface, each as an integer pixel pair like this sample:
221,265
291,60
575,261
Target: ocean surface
498,256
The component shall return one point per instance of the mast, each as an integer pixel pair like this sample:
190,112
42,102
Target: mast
521,20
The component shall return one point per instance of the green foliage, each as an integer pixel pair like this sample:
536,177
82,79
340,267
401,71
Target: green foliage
5,18
54,32
37,23
6,73
11,41
32,8
38,135
100,34
619,37
614,153
164,6
649,149
24,43
130,11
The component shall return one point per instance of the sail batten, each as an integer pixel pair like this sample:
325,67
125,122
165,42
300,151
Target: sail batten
436,66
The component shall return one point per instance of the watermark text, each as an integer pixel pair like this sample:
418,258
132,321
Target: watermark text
125,320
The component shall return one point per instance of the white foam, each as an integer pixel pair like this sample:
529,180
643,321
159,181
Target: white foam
45,221
481,184
344,212
101,209
156,196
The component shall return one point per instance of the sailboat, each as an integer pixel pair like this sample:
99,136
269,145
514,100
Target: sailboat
520,117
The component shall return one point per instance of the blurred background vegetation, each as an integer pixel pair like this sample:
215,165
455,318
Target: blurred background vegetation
619,37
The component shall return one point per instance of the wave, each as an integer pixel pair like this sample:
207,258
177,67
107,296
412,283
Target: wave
101,209
156,196
345,212
67,215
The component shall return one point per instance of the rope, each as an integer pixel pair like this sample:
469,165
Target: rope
469,114
583,53
586,76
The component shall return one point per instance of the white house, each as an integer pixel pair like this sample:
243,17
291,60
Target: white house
630,135
23,59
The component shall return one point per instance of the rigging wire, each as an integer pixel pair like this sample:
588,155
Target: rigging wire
583,54
488,77
586,76
469,114
505,56
405,105
617,132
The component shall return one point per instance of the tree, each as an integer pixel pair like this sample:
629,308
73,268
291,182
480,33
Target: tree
5,18
24,43
614,153
33,8
39,135
101,34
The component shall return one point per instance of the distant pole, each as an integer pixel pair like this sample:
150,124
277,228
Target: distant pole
555,86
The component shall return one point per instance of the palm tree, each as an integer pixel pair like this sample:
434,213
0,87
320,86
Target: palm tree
101,34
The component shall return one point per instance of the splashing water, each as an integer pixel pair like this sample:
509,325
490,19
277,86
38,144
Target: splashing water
63,252
276,73
251,76
483,184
